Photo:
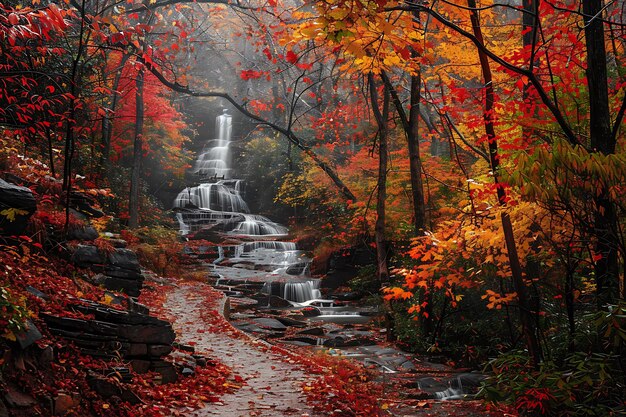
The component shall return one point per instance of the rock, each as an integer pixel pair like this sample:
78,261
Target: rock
115,299
185,348
166,370
124,258
120,268
188,372
4,412
88,256
84,205
46,356
269,323
272,301
108,388
120,373
34,291
183,360
291,322
136,307
127,286
137,349
159,350
314,331
29,336
160,335
141,366
118,243
84,233
305,340
64,402
335,342
200,360
17,205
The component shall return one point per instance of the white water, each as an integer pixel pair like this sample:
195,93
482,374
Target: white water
301,291
218,201
219,198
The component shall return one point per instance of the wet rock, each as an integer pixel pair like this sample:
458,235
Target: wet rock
269,323
19,204
251,328
305,340
291,322
314,331
271,301
188,372
349,296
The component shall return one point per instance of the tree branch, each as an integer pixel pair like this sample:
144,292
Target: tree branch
560,119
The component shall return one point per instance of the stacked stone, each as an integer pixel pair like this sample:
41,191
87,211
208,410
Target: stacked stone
141,339
118,270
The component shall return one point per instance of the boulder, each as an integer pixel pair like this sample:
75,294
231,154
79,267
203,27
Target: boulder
17,204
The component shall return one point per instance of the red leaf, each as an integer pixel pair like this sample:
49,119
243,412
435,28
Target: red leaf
291,57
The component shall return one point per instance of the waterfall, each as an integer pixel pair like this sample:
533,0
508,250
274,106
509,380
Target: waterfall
220,199
301,291
216,207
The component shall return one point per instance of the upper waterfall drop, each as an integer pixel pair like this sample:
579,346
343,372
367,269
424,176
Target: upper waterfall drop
218,200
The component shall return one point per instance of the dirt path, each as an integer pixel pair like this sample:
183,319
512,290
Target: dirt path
272,386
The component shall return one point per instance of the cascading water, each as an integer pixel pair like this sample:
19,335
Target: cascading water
217,204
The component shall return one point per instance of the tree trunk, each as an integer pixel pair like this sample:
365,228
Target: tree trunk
415,161
381,120
135,177
107,124
410,126
601,140
525,311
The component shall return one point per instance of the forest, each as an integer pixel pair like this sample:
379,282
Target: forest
448,174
